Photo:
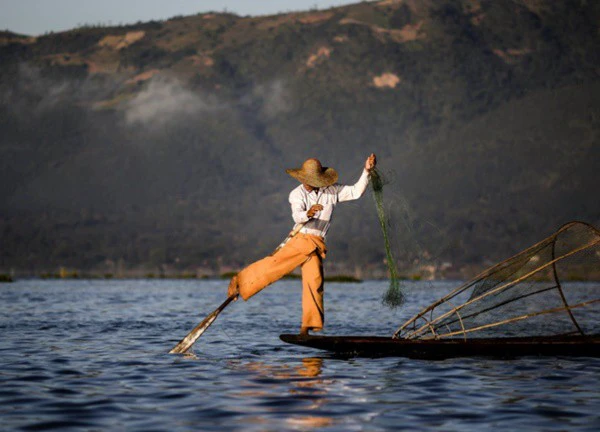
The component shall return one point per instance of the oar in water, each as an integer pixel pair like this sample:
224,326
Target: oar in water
187,342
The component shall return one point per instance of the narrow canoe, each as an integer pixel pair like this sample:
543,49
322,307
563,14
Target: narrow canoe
377,346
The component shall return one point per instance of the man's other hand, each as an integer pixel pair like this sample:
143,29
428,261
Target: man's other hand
313,210
371,162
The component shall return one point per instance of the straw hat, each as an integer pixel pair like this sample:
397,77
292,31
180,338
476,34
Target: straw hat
314,174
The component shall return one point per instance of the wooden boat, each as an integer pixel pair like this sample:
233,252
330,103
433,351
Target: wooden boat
374,346
522,296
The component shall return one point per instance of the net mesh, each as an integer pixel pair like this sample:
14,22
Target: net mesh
394,296
523,296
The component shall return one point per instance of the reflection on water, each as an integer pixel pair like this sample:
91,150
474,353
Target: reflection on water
311,367
93,356
310,421
306,386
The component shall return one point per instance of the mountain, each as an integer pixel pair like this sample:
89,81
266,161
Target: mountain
162,146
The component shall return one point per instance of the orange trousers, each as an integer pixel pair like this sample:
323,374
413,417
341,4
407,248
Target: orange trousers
305,250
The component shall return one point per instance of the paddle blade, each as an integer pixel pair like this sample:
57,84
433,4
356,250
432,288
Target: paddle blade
186,343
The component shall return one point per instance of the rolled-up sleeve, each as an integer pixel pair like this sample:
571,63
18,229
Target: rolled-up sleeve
349,193
298,207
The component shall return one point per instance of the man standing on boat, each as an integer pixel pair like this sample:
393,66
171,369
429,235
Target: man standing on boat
313,203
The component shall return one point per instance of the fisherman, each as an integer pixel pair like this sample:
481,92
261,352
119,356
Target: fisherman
313,203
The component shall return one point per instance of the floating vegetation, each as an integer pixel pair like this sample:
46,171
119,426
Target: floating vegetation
333,278
342,279
394,296
184,275
5,278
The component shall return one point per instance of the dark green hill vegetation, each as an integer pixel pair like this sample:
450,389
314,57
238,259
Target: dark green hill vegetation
163,145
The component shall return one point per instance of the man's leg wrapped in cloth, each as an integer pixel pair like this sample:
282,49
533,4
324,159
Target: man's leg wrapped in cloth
303,250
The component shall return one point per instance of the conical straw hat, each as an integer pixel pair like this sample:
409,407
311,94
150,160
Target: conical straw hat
314,174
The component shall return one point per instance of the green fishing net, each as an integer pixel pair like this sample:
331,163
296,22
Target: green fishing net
394,296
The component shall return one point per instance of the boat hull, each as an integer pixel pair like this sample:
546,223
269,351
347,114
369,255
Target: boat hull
376,346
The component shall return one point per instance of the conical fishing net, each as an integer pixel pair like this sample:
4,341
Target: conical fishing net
530,294
393,296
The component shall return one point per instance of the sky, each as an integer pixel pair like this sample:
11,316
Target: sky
35,17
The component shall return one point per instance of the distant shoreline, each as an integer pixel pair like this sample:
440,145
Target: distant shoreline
5,278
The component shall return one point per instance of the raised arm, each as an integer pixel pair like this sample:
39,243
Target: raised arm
348,193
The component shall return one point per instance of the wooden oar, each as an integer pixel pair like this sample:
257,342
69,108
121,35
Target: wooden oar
187,342
292,233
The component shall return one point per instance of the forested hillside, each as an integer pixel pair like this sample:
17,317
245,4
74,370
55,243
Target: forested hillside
161,146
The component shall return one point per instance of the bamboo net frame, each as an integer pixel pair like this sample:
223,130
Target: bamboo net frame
499,293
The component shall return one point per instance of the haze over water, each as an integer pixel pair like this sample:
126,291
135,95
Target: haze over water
92,355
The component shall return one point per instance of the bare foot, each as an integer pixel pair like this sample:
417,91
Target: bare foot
304,331
233,287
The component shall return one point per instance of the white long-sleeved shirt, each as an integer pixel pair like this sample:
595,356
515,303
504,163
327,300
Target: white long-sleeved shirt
302,200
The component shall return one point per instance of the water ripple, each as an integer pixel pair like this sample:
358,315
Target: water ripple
91,355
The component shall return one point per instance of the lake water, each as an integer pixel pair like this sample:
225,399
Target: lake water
92,355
